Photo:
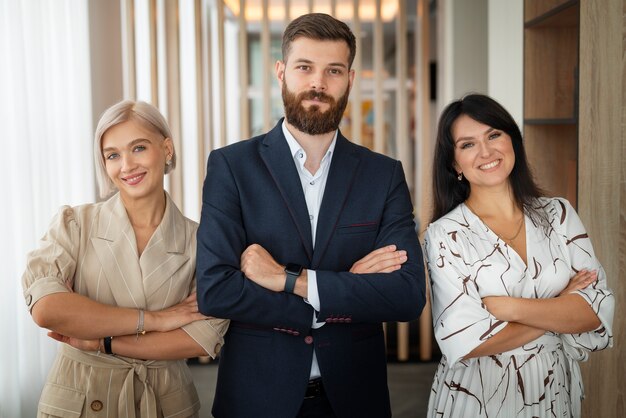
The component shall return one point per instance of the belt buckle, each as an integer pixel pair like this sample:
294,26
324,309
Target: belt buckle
314,389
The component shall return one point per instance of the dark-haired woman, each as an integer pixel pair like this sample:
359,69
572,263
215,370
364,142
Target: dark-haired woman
518,294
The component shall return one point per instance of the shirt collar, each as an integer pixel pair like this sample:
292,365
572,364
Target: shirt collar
295,148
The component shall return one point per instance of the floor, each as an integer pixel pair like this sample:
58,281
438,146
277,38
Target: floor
409,387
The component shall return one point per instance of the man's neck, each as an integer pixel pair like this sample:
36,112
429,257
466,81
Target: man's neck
315,146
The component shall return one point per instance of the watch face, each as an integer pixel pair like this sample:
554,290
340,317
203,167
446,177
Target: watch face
293,268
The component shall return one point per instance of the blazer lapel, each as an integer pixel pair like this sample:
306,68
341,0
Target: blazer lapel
343,169
276,155
116,247
166,251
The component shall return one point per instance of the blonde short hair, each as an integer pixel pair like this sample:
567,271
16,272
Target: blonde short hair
145,114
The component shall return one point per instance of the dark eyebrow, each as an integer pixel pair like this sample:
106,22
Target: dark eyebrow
332,64
132,144
464,138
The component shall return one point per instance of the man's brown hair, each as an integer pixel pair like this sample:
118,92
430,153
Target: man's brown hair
321,27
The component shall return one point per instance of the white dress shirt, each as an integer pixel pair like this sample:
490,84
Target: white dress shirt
313,186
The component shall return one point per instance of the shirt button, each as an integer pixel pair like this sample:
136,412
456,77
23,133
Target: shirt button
312,183
308,339
300,155
311,217
96,406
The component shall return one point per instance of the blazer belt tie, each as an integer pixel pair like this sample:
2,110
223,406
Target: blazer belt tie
139,368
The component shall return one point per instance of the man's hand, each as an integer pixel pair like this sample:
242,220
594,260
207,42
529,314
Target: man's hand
260,267
382,260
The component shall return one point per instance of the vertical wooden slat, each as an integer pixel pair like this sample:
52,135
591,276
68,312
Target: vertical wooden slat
265,68
379,68
244,112
154,73
310,6
423,152
602,185
200,101
172,45
221,72
355,94
287,12
128,49
402,137
207,74
333,8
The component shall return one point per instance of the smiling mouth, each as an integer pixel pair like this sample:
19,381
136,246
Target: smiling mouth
135,179
490,165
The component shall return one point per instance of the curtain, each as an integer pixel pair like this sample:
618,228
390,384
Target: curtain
45,142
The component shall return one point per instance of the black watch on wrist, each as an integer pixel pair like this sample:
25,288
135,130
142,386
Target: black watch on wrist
293,272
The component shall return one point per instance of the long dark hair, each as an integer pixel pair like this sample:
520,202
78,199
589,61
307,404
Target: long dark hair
448,191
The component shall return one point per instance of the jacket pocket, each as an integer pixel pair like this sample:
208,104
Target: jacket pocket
358,228
181,403
61,401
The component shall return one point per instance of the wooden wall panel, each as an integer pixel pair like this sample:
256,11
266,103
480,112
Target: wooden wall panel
602,184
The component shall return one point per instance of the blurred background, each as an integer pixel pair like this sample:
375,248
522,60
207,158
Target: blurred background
558,66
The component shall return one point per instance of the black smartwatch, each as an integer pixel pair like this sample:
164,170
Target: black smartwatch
293,272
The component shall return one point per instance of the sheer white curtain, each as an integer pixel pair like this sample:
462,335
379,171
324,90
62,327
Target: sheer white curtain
45,143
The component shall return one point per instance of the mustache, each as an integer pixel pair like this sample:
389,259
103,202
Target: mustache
315,95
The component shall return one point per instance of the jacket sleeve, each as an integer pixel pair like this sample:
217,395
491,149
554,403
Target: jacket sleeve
223,290
377,297
51,267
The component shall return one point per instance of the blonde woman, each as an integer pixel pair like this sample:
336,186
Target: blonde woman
115,282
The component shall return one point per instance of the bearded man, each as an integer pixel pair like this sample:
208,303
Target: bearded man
307,243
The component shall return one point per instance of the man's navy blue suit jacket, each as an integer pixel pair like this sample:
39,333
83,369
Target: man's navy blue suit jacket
252,194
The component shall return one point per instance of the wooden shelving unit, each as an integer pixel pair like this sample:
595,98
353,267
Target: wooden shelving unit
551,56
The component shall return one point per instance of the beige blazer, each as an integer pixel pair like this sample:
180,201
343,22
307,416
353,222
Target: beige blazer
92,250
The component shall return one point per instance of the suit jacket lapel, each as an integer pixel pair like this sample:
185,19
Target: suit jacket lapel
116,247
343,169
277,157
166,252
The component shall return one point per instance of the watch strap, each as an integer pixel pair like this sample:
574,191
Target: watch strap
290,282
107,345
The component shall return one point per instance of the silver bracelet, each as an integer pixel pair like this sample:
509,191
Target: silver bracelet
140,329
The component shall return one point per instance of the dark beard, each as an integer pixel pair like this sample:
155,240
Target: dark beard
313,121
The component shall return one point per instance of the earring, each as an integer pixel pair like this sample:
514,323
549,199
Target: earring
460,176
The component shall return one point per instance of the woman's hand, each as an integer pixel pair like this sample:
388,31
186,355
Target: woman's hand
579,281
500,306
382,260
85,345
174,317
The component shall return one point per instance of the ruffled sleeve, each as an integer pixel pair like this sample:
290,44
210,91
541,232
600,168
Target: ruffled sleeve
568,225
460,320
51,267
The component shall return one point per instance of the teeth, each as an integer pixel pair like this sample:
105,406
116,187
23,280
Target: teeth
131,179
490,165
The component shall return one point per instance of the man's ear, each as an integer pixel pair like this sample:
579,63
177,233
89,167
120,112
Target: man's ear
350,79
279,69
